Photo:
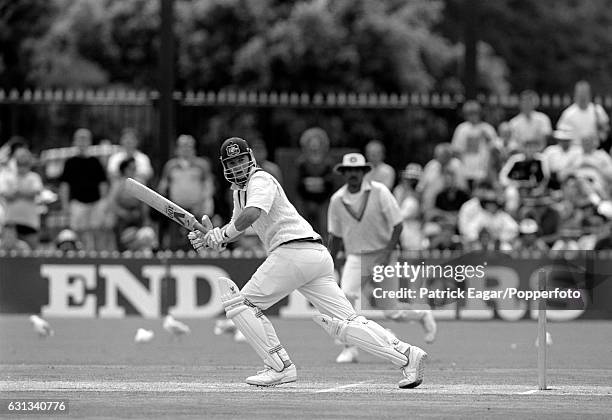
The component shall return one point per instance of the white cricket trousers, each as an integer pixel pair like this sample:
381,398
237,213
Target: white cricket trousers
304,266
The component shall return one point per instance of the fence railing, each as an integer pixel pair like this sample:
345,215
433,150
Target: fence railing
295,99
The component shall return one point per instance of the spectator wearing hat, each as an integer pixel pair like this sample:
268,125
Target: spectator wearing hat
559,156
485,211
529,124
381,171
315,182
187,180
365,218
473,140
528,239
583,118
67,240
410,207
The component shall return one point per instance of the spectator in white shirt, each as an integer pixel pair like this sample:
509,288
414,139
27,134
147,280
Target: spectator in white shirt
593,164
584,118
529,124
484,211
381,172
129,143
560,156
473,140
432,181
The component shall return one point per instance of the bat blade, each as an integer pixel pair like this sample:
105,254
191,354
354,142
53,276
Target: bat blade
166,207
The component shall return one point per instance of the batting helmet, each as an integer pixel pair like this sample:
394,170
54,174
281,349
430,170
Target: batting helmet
230,149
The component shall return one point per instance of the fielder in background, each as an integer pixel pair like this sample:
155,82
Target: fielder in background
365,217
298,260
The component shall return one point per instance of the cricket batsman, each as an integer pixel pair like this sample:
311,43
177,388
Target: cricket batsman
298,260
365,218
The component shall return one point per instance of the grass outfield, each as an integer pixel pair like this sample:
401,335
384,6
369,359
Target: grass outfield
476,369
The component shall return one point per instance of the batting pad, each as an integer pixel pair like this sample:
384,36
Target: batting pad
247,320
359,333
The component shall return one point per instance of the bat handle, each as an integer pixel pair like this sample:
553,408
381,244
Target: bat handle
199,226
205,226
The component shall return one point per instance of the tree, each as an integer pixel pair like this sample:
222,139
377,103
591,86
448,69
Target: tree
21,22
547,46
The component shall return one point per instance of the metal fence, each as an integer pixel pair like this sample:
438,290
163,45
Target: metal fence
410,124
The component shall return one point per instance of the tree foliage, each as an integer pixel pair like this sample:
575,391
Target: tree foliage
547,45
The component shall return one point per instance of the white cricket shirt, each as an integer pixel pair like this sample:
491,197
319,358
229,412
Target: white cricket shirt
367,227
279,221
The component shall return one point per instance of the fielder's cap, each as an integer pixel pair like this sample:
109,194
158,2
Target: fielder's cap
353,160
412,171
528,226
562,135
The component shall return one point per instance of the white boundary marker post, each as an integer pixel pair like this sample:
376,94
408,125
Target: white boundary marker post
542,344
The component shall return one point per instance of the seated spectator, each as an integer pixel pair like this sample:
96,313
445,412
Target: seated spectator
485,211
139,239
315,172
381,171
473,140
507,144
527,169
9,239
594,164
583,118
187,180
528,239
452,197
410,207
442,235
592,224
432,181
409,178
568,239
529,124
261,156
83,185
19,189
127,210
524,175
129,143
560,156
7,153
486,241
604,241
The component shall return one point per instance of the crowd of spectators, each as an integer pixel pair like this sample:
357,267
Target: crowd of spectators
522,186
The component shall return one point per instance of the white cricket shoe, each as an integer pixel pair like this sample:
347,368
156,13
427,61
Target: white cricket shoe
414,371
270,377
348,355
429,325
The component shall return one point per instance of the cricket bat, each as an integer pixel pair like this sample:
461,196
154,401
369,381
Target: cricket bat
167,207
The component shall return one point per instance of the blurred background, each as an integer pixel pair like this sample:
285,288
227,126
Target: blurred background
489,121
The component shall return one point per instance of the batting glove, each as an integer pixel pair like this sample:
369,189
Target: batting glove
215,237
197,239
